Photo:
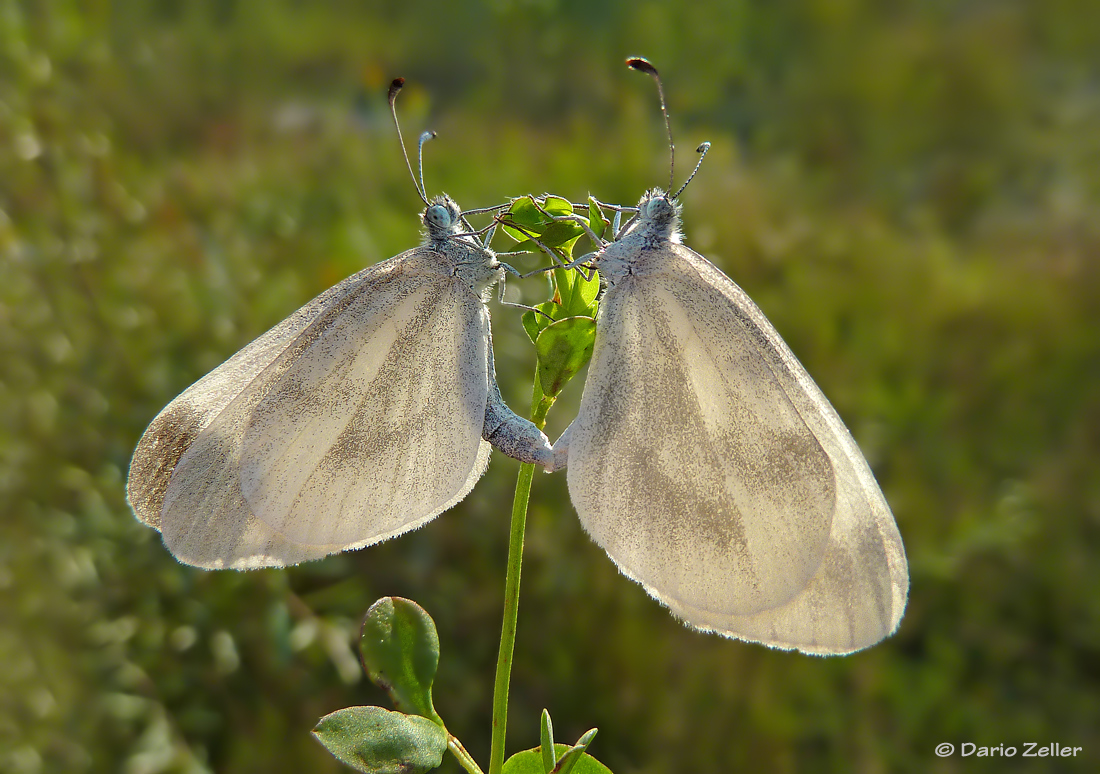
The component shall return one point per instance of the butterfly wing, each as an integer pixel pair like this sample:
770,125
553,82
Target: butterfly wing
176,427
713,471
357,419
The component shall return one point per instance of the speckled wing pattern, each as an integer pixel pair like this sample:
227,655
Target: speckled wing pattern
714,472
357,418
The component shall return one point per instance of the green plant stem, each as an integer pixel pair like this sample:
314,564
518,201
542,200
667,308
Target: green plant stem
539,406
464,758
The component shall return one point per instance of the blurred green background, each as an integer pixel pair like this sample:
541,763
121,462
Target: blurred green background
909,189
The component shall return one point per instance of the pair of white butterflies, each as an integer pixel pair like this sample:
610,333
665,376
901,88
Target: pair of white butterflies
703,458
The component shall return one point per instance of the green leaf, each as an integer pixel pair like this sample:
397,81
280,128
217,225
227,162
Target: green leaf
376,740
525,213
401,652
557,206
531,325
560,233
519,236
530,762
586,288
528,220
551,311
563,284
564,347
572,758
546,739
550,308
596,220
578,294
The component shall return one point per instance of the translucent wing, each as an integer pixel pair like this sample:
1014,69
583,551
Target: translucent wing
356,419
713,471
175,428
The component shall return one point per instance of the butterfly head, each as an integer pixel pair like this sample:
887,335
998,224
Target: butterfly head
442,218
659,215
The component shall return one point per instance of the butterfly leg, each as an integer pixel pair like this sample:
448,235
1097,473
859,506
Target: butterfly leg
501,288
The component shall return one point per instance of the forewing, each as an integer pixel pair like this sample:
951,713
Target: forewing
308,419
176,427
712,470
376,426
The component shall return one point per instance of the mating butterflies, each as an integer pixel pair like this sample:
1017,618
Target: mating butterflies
703,458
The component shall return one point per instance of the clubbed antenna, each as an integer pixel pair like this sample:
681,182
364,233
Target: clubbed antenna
395,89
702,151
424,137
643,65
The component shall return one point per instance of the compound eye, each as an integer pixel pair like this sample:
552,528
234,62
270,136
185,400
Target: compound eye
655,207
438,216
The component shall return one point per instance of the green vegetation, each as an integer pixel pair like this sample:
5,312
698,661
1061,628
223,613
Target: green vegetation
910,190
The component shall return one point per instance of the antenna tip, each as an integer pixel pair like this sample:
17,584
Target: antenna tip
642,65
703,148
395,87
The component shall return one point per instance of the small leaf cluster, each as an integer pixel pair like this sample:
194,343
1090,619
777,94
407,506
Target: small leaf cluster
562,329
400,651
550,221
551,758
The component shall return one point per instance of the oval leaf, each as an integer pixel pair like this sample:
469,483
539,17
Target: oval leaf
400,649
564,348
560,233
530,762
558,206
376,740
524,212
518,236
524,220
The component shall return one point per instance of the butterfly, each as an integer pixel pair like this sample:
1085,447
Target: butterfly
709,466
362,415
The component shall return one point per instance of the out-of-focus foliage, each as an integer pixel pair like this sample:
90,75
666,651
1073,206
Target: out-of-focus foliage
909,189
